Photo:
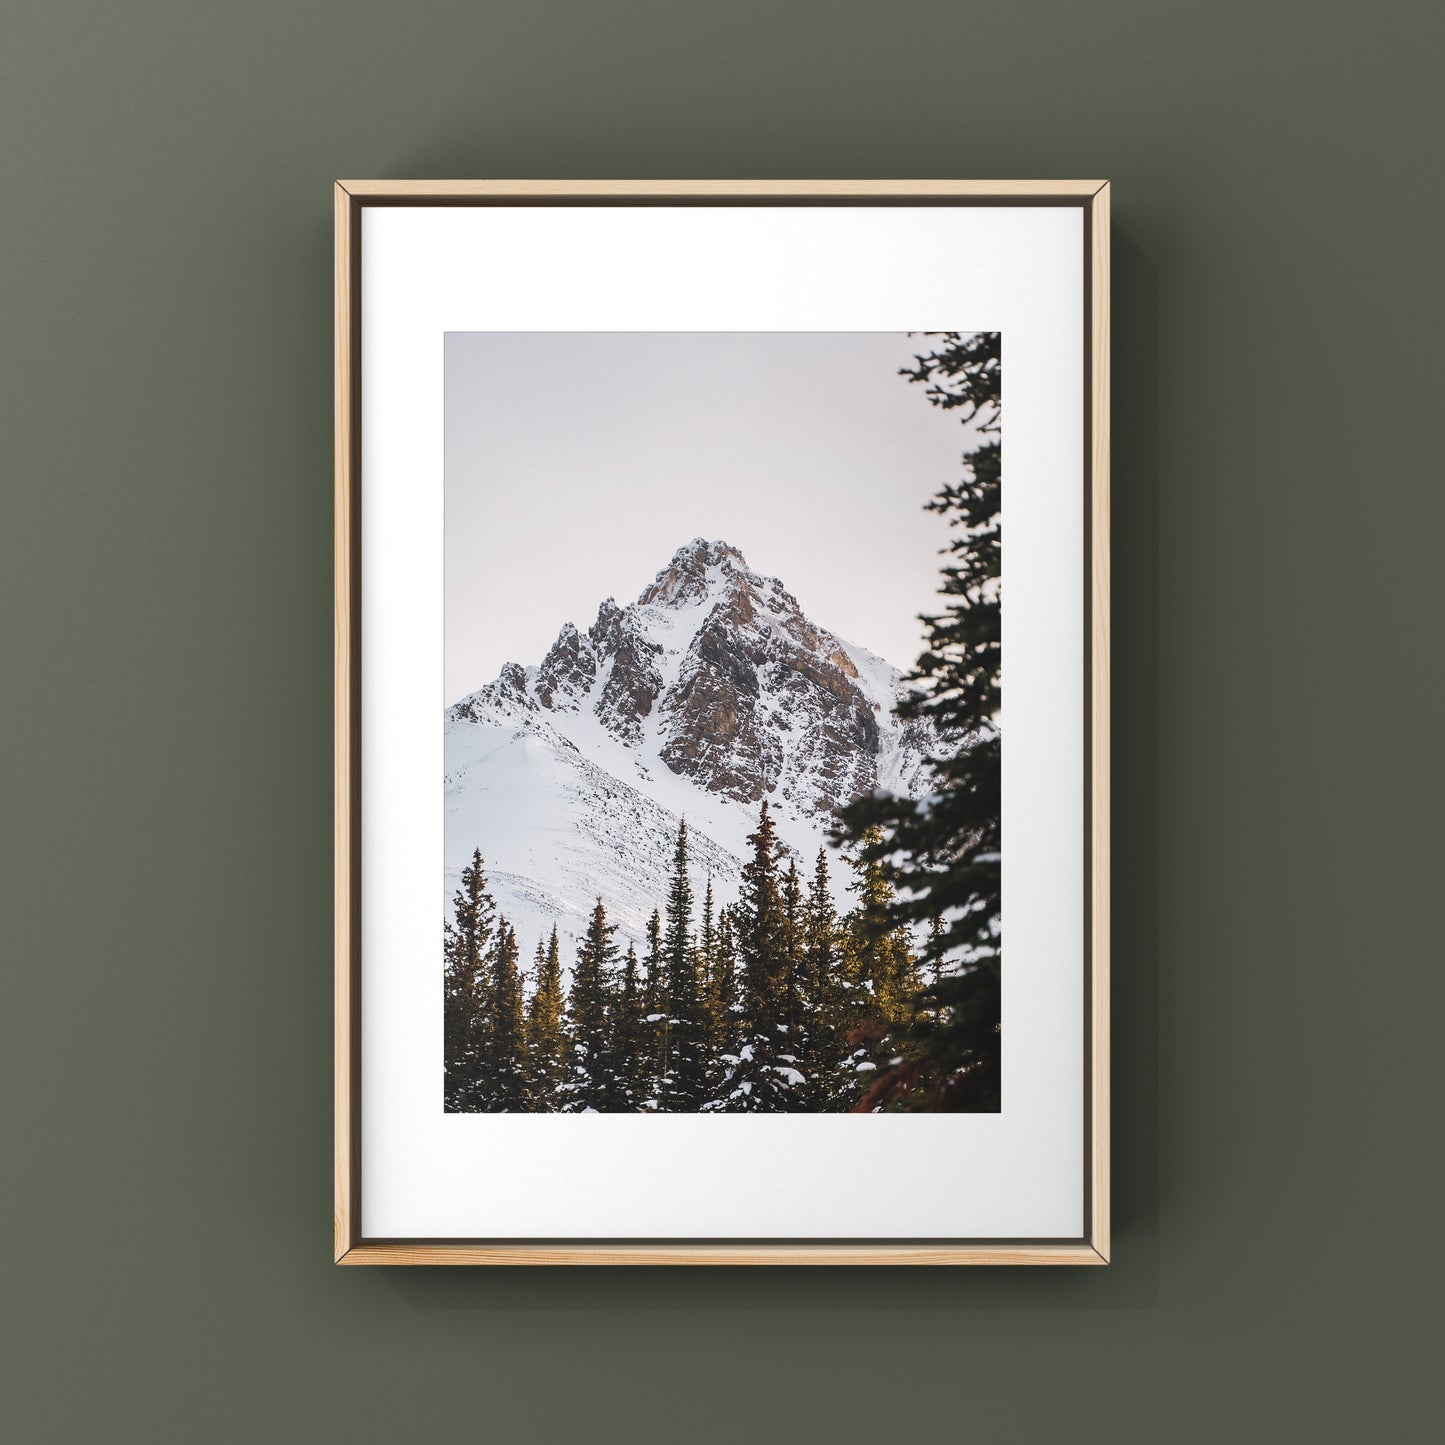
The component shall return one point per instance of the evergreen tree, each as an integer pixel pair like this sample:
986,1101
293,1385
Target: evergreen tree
592,1083
883,971
820,929
717,964
757,1079
943,857
466,949
881,945
504,1067
835,997
654,1007
725,978
936,930
707,929
632,1064
706,962
546,1060
724,1010
761,925
794,1003
685,1046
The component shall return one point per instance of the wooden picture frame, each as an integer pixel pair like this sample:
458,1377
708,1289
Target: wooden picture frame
352,199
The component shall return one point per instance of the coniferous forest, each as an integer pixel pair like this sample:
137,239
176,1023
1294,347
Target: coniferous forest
780,1002
776,1003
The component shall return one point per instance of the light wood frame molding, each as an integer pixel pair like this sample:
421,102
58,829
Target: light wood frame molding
351,197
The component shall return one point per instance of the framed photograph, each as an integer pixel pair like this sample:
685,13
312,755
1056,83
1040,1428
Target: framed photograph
722,681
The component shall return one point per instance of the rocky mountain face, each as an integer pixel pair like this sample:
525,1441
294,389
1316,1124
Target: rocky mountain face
709,692
758,701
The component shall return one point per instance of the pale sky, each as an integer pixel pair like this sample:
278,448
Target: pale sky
576,464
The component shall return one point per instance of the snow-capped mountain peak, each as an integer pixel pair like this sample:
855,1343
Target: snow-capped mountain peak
696,568
709,692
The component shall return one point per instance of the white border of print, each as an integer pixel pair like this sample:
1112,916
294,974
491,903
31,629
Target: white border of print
1017,1174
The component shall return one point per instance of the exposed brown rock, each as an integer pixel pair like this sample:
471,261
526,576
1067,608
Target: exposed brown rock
763,701
632,681
567,672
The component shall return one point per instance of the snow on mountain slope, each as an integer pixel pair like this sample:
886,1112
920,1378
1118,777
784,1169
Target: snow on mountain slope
708,693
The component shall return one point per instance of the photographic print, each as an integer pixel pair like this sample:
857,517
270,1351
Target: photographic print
722,722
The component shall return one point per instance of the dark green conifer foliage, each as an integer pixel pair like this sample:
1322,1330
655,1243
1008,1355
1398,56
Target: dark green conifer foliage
725,977
685,1027
881,946
761,925
756,1078
716,969
723,1006
504,1067
706,959
592,1082
466,948
546,1060
935,936
707,928
944,858
629,1038
884,971
835,997
794,1000
654,1005
821,946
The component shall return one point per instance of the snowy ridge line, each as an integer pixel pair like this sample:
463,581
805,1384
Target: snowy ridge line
710,692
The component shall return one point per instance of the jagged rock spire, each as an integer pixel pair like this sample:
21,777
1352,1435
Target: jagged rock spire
685,578
747,698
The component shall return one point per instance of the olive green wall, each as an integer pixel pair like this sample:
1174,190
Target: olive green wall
166,455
